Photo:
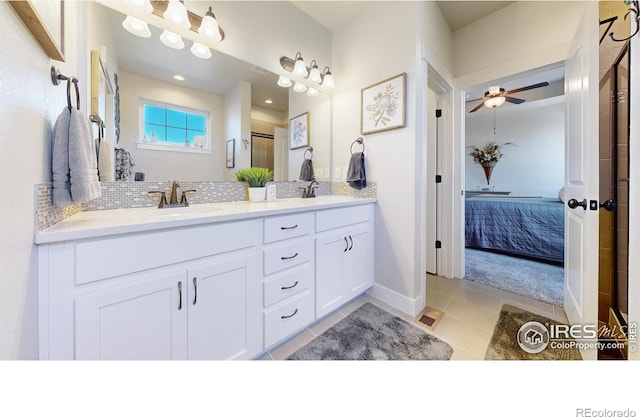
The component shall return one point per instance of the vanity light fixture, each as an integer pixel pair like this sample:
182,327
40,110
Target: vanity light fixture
209,27
172,40
327,79
299,87
176,14
314,74
299,68
200,50
284,81
143,6
299,71
136,27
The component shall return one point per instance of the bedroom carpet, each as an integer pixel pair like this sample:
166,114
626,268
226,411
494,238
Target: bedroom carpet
370,333
531,279
504,344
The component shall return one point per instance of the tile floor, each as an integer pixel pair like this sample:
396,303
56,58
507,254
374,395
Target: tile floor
470,313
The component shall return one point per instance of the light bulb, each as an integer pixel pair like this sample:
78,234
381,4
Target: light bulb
284,81
172,40
299,88
314,74
300,69
200,50
136,26
176,14
209,27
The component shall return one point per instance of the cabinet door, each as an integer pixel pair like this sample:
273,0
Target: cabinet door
330,250
145,320
358,274
225,309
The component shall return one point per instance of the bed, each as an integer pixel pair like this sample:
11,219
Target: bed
532,227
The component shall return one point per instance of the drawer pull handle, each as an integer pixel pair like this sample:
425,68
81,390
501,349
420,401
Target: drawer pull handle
290,286
288,227
290,315
347,242
195,290
288,257
351,240
179,295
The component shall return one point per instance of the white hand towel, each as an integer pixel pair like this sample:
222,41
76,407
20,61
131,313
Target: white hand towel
105,168
60,160
83,164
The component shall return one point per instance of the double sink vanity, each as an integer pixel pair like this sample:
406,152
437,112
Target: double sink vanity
209,281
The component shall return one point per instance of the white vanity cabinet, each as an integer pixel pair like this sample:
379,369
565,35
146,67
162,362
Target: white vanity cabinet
200,301
344,256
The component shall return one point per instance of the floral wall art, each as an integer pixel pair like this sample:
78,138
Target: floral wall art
383,105
299,131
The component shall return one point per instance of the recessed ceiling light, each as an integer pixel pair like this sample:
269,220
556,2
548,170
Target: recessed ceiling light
178,77
268,101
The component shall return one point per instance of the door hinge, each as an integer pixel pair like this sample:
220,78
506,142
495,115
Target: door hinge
438,179
438,113
438,244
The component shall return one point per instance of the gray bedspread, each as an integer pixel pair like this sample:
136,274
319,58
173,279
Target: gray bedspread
531,227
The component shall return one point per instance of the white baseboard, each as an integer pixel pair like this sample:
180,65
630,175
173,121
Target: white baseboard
410,306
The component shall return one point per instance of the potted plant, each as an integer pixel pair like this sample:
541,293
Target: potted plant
256,178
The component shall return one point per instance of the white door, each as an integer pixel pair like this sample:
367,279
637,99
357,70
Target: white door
581,179
280,154
357,277
330,250
224,309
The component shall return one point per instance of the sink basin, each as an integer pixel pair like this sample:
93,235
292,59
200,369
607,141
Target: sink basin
178,212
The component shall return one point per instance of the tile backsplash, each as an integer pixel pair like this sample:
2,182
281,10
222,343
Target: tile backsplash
134,194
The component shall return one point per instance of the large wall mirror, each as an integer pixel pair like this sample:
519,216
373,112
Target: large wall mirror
228,114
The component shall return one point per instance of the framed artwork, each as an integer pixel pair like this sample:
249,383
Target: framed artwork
299,131
100,86
45,20
383,105
231,153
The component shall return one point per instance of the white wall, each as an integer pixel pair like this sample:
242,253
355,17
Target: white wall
238,127
536,165
269,115
163,165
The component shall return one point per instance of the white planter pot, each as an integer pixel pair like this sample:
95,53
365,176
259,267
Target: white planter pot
256,194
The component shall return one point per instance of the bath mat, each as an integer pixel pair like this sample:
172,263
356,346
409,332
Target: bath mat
537,280
370,333
504,343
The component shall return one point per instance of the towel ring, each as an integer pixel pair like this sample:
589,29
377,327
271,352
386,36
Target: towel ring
310,150
360,140
73,80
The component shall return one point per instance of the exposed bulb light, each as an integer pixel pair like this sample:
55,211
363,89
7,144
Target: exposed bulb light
209,27
178,77
268,101
284,81
327,79
312,92
143,6
314,74
299,68
200,50
136,27
299,88
177,15
172,40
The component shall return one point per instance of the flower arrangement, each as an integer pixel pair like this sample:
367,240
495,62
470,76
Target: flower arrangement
488,153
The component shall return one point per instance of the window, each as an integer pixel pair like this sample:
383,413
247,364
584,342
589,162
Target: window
171,127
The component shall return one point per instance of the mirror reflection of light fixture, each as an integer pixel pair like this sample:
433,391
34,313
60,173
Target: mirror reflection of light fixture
299,87
312,92
176,14
284,81
172,40
136,27
200,50
143,6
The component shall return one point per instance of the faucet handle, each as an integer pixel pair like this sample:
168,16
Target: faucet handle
183,199
163,197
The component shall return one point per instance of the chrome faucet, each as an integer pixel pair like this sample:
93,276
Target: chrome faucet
173,198
309,191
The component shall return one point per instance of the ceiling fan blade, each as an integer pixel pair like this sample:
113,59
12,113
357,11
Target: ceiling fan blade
475,99
529,87
477,107
514,100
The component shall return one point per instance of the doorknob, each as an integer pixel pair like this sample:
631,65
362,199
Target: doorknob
609,205
573,203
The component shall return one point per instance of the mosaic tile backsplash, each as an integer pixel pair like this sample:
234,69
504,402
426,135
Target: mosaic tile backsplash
134,194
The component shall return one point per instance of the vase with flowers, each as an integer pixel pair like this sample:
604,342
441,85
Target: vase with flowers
487,156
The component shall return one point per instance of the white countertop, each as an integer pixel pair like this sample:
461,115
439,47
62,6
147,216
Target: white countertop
90,224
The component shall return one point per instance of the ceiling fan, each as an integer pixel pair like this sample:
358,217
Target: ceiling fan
496,96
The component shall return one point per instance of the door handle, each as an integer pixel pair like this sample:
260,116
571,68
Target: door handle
609,205
179,295
351,240
347,242
573,203
284,258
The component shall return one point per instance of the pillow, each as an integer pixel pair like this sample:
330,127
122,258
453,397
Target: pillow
561,194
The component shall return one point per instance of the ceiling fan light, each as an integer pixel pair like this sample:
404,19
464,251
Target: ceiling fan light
200,50
284,81
136,27
299,88
143,6
494,101
176,14
300,68
172,40
209,27
494,89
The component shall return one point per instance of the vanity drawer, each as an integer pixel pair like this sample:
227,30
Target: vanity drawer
340,217
288,318
286,227
287,254
288,283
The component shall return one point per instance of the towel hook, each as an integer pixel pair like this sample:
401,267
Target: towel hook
56,77
310,150
360,140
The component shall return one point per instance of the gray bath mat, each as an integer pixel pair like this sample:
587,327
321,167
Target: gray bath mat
370,333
